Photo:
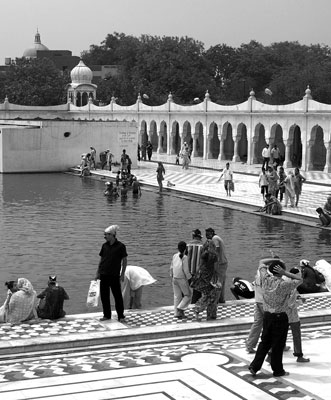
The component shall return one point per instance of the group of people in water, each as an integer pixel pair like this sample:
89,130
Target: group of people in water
23,304
88,161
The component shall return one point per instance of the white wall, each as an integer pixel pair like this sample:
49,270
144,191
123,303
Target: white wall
43,147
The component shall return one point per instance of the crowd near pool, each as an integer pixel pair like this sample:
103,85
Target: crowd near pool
53,224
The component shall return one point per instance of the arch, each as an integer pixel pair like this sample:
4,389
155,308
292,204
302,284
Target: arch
84,99
198,138
259,138
295,146
187,134
153,135
228,141
78,99
276,138
214,142
143,133
318,150
163,137
242,142
176,141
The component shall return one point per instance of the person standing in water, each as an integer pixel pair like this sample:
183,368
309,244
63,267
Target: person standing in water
160,171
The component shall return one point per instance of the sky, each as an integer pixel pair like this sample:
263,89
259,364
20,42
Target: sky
76,24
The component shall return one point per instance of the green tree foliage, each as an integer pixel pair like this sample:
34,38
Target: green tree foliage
35,82
172,64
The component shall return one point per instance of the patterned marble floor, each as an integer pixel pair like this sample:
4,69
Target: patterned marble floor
231,311
187,368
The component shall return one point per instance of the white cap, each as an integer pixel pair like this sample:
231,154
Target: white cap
112,229
107,183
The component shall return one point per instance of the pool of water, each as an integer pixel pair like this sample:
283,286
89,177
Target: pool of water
54,223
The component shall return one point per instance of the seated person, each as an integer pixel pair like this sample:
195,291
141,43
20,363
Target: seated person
242,288
51,305
309,276
22,304
324,217
272,205
11,288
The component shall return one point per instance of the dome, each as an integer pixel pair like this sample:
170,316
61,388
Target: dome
81,73
32,52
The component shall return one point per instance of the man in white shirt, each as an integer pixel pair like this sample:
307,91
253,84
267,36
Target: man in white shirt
266,157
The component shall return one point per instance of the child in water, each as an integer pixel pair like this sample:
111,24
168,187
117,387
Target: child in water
118,178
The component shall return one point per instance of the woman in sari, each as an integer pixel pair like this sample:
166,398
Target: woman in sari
22,305
205,281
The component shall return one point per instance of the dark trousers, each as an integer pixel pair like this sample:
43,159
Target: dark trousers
265,162
274,334
108,282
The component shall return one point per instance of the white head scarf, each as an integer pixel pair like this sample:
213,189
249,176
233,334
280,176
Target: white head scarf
25,285
112,229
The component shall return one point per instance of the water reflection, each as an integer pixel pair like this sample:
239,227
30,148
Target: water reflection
53,224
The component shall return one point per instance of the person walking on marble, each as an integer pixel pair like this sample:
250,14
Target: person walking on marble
266,157
180,275
228,178
263,182
298,181
111,272
294,321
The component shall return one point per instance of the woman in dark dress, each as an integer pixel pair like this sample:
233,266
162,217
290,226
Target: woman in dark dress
51,303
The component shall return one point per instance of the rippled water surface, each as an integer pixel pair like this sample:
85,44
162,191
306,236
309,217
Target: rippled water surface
54,223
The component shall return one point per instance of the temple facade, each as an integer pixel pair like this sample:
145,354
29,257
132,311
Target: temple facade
236,133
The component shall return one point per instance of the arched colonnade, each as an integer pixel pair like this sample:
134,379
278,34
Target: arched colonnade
242,140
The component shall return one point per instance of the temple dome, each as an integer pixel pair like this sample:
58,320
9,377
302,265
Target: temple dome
32,52
81,73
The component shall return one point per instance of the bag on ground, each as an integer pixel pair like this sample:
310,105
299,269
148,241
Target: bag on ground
93,294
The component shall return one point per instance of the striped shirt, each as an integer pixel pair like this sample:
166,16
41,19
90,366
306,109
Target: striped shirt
194,248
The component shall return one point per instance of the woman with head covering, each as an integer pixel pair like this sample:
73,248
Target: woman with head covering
22,305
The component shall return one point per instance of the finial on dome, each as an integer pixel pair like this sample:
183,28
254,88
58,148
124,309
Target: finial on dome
207,96
90,100
308,92
113,99
139,97
252,93
6,99
170,97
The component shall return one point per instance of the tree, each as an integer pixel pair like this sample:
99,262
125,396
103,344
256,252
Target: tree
172,64
35,82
